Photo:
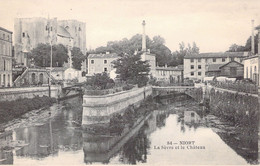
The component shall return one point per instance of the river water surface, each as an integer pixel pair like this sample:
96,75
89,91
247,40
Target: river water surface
176,133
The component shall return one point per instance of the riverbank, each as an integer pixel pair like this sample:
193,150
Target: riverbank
10,110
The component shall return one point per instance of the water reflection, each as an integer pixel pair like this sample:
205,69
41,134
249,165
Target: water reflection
61,139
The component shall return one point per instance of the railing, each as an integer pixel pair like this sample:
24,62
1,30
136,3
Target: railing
239,87
108,91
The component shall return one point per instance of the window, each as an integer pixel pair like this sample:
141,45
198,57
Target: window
192,114
105,69
105,61
241,60
79,29
223,59
199,60
199,66
232,59
92,61
192,73
192,67
199,73
191,60
23,34
8,38
214,59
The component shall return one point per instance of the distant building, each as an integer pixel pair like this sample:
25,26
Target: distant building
99,63
252,63
32,77
29,32
195,66
251,68
231,69
169,74
5,58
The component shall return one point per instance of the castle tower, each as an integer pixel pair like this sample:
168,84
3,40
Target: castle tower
144,37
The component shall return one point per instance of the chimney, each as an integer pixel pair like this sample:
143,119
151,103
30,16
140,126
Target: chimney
253,39
143,37
258,41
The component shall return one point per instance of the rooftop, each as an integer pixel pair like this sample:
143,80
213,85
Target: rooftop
112,55
217,55
214,67
177,68
217,67
3,29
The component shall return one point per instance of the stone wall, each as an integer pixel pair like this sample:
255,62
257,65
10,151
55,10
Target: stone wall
9,94
99,109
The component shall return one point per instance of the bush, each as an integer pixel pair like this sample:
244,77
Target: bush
15,109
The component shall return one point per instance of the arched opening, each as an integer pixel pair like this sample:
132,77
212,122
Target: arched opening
8,80
33,78
41,79
4,80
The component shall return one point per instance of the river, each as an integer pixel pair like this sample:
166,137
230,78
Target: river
179,132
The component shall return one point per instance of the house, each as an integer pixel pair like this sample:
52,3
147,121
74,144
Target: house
5,58
231,69
195,66
99,63
32,77
169,74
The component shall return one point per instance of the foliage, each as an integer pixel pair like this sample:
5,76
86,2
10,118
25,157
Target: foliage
156,45
42,53
101,81
77,58
15,109
183,51
238,48
132,70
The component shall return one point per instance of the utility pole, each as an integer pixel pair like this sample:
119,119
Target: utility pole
49,28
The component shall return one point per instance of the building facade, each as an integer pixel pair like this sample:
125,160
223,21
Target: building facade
29,32
5,58
195,66
169,74
151,59
99,63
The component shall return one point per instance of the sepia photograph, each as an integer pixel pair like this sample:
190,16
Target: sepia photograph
129,82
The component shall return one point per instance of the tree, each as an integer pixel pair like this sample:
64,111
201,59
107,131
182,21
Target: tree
77,58
125,46
101,81
238,48
42,53
183,51
132,70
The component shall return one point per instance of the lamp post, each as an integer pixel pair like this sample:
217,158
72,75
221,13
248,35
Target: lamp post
49,28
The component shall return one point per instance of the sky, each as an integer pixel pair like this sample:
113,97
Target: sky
213,25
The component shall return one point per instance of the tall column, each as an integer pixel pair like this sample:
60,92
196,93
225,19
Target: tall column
253,39
258,41
144,37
